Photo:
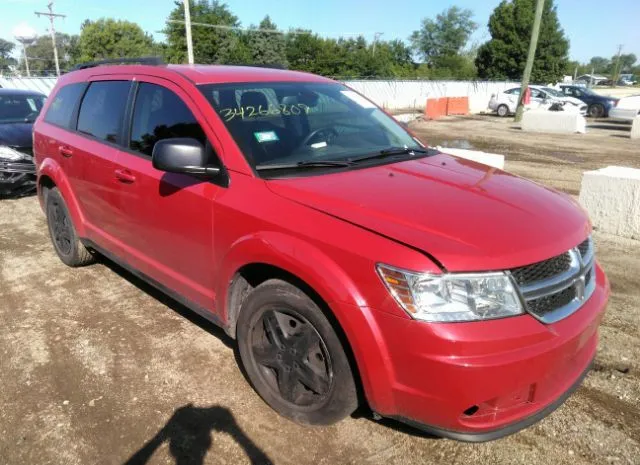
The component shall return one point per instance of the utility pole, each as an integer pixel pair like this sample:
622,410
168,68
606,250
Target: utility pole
530,57
187,25
616,74
376,36
51,15
26,59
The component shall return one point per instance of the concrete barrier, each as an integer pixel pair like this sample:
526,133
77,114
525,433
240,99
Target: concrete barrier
490,159
635,128
612,197
563,122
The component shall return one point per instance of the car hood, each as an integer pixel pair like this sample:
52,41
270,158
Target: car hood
468,216
16,134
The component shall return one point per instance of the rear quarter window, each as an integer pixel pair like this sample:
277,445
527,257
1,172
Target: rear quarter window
63,105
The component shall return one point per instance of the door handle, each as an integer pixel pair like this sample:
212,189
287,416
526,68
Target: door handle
125,176
65,151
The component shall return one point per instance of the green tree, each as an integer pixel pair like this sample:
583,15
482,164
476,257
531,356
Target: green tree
599,65
109,38
267,47
41,59
6,60
441,42
510,25
626,62
210,45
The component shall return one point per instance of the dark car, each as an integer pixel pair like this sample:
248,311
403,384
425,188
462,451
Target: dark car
599,105
18,110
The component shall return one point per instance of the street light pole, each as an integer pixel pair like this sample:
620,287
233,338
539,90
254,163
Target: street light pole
51,15
530,57
187,25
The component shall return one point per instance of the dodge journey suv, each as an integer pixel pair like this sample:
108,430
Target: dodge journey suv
351,263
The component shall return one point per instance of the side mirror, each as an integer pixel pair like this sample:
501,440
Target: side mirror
181,155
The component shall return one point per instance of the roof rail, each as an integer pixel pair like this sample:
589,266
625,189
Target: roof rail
260,65
152,61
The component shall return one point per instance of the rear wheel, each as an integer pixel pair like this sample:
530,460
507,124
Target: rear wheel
63,233
503,111
596,110
293,357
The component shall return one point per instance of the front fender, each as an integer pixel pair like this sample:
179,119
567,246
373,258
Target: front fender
51,169
333,285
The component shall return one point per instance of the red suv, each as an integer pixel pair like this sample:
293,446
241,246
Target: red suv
350,262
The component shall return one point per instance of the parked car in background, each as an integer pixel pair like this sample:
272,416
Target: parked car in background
350,261
505,103
598,105
627,109
18,110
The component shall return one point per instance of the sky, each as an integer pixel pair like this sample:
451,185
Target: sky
593,27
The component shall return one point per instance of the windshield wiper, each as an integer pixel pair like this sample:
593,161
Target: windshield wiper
390,152
306,164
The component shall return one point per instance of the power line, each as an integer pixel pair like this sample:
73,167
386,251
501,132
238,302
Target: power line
268,31
51,15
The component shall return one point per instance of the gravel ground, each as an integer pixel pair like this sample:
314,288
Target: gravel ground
97,368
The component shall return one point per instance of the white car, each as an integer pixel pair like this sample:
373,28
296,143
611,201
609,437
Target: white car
505,103
627,109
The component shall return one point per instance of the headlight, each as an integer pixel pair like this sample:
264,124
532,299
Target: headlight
452,297
9,154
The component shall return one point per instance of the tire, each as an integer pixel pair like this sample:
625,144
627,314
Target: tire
63,234
293,356
596,110
503,111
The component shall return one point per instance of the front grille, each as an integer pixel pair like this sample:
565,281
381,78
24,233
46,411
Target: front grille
542,270
584,247
546,304
555,288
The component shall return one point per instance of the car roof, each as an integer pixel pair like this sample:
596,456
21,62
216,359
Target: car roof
200,74
5,91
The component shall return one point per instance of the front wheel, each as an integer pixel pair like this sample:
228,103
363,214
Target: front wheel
293,357
596,110
503,111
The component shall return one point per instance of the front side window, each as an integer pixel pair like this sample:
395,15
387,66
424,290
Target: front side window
277,123
20,108
64,103
160,114
102,109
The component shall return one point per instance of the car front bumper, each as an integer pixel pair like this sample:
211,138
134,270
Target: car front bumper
479,381
16,176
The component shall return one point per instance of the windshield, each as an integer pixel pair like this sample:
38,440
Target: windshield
277,123
20,108
553,92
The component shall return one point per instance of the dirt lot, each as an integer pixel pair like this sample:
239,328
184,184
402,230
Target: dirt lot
98,368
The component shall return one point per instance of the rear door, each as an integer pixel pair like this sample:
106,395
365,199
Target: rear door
168,228
100,127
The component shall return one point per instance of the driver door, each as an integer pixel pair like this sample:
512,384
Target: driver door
169,217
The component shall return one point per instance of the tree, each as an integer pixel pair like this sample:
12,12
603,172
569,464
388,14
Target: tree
267,47
599,65
210,45
444,37
626,62
41,60
441,43
504,56
6,60
109,38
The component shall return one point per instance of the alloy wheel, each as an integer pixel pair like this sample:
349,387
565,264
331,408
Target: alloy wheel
292,357
61,228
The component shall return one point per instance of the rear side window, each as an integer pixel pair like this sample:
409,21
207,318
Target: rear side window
160,114
102,110
63,105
